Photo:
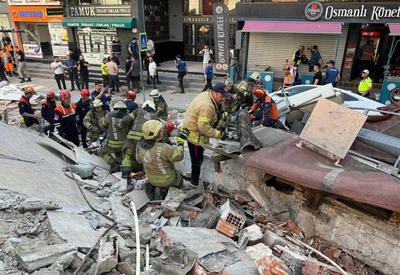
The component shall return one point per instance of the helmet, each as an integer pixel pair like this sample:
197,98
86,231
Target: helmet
64,94
131,94
149,103
255,76
85,92
243,86
155,93
259,93
151,129
28,90
50,94
170,126
97,103
228,82
119,105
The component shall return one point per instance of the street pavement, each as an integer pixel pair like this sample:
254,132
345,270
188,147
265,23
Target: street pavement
175,101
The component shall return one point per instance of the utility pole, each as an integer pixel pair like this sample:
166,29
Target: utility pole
137,8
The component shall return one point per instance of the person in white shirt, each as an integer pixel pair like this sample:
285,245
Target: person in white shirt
153,71
206,52
58,69
150,47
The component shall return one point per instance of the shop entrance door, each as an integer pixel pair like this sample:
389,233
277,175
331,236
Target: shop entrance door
195,36
45,40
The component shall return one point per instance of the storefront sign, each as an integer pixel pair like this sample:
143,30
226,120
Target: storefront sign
346,12
221,36
35,2
83,11
59,39
32,49
33,14
203,19
100,22
95,58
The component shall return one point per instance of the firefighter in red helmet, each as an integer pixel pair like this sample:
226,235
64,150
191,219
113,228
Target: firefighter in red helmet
65,118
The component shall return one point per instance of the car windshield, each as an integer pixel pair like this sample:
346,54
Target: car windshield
347,97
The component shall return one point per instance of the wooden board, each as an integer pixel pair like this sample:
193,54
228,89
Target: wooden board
332,127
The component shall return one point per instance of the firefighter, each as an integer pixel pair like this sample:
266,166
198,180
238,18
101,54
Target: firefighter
149,106
134,122
264,110
130,101
201,119
160,104
28,116
82,108
116,136
48,112
92,121
65,118
158,159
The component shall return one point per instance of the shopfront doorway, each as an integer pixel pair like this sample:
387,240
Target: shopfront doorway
195,36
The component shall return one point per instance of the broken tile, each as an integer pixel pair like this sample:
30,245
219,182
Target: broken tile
216,262
226,228
139,198
258,251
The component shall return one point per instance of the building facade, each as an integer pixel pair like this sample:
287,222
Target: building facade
341,30
4,18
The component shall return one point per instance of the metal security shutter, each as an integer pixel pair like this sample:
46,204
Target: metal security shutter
125,36
274,48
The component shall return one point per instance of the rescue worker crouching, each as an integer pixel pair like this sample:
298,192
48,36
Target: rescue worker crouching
28,116
161,105
48,112
65,118
134,122
116,136
264,110
201,119
158,159
92,121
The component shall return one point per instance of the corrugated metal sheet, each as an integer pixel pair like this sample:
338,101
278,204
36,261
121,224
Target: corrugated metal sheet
274,48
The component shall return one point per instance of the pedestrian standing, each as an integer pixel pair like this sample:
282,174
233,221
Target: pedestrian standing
133,48
22,71
82,108
72,70
83,72
146,63
182,71
153,71
8,63
133,74
9,48
100,93
3,76
206,52
317,79
58,69
314,58
332,75
104,71
208,76
365,85
116,47
112,68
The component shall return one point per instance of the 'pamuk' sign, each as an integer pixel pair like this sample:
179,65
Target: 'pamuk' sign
84,11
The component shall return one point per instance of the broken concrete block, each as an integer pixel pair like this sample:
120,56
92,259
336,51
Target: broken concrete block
45,271
208,218
258,251
174,198
63,262
145,233
226,228
122,214
272,239
250,234
84,171
34,255
259,195
139,198
271,265
108,255
127,267
233,215
38,205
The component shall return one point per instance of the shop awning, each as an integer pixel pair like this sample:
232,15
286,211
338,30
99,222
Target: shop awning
100,22
394,29
292,27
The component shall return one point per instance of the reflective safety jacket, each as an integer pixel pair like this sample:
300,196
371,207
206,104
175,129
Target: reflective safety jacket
161,108
134,121
116,133
202,116
92,124
365,85
66,116
267,106
158,161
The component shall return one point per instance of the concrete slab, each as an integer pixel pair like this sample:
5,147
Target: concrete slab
73,228
139,198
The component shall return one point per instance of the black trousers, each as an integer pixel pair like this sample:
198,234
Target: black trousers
105,80
180,78
83,134
133,82
84,81
114,83
208,85
73,77
60,78
196,156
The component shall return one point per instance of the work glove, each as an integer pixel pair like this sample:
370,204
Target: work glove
183,135
93,128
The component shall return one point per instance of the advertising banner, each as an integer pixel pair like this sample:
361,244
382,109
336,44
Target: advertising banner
221,36
59,39
31,50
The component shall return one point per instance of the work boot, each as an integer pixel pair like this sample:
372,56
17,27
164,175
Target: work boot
29,80
22,80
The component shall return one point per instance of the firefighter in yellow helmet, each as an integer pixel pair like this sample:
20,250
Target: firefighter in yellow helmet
158,159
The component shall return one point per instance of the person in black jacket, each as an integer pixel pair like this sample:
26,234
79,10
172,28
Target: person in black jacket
83,72
25,107
48,112
83,106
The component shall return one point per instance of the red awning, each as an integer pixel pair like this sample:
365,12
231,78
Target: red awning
394,29
292,27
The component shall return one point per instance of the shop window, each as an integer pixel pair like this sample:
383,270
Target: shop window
191,7
96,40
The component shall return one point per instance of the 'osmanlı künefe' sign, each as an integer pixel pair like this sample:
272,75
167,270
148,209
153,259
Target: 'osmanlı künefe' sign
221,36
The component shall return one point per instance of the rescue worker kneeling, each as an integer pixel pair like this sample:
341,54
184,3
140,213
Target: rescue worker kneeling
158,159
116,136
92,121
264,110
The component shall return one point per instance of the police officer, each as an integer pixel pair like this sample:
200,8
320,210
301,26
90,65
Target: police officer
92,121
158,159
160,104
116,136
134,121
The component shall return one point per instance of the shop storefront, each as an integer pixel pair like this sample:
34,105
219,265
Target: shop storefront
4,18
44,22
271,34
94,27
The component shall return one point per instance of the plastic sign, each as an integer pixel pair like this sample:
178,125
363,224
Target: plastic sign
143,41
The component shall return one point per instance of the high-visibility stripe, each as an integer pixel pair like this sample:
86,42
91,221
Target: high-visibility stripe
204,119
114,143
135,135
